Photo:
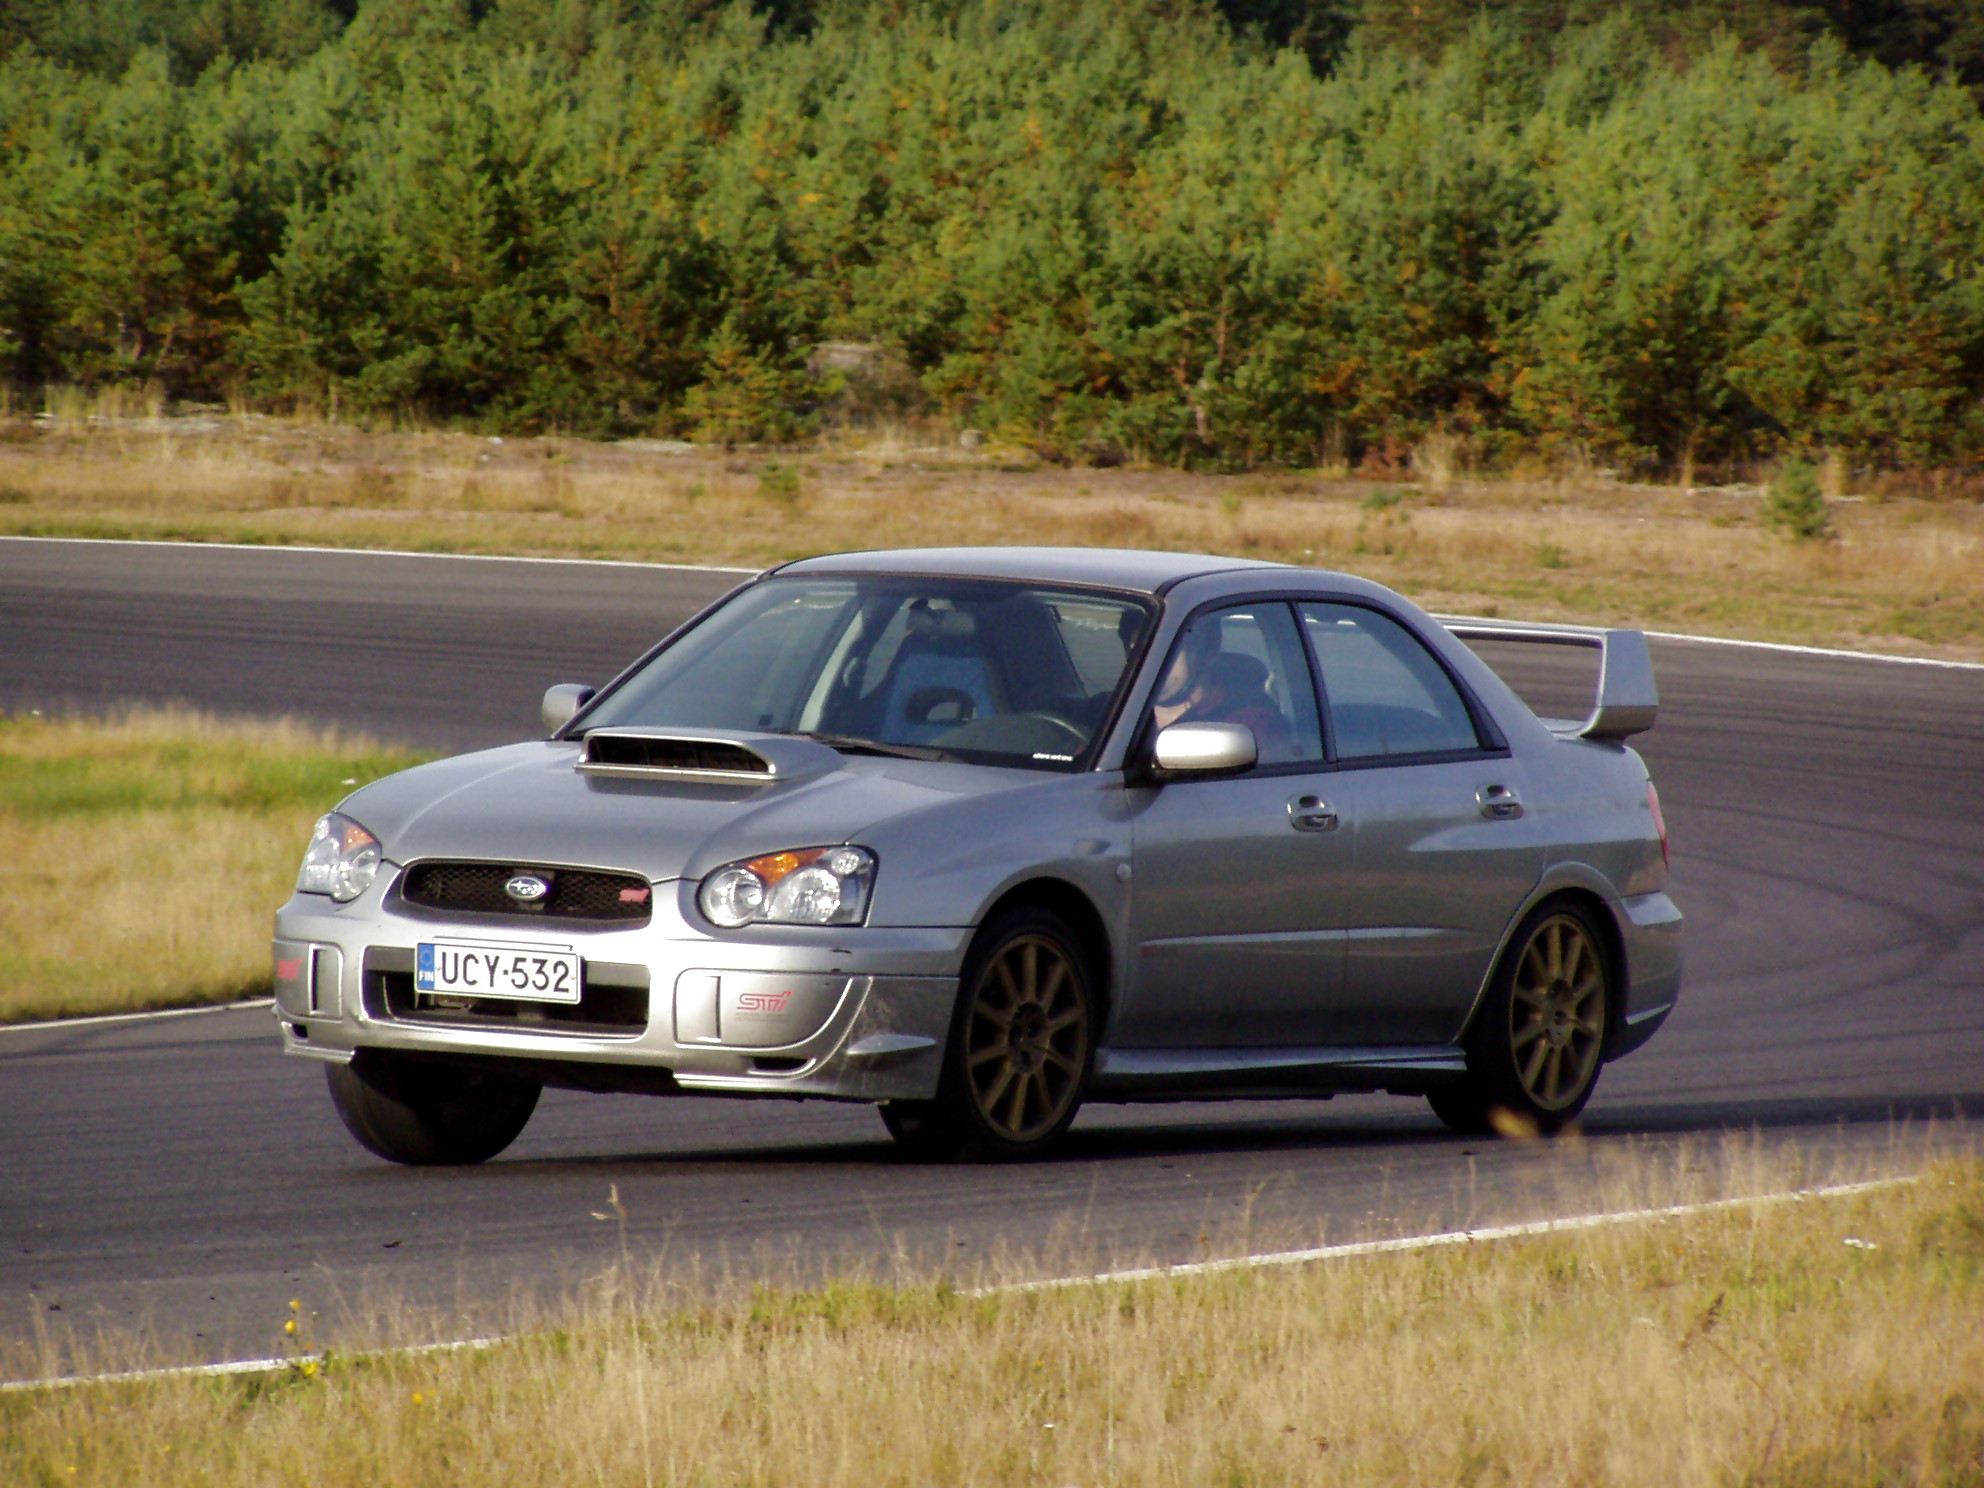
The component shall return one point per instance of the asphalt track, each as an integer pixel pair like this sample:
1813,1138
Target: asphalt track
171,1183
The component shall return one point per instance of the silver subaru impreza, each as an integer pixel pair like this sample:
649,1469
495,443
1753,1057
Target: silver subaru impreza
975,835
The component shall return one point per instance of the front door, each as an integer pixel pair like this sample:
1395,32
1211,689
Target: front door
1239,883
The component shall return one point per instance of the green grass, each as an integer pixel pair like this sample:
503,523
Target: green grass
185,775
142,856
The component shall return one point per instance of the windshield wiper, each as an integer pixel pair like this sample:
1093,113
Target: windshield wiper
853,744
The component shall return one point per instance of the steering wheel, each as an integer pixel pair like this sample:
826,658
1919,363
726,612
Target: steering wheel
940,705
1072,729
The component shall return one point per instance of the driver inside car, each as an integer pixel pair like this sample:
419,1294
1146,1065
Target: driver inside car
1206,684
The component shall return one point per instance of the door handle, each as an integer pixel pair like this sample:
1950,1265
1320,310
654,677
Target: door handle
1498,803
1311,814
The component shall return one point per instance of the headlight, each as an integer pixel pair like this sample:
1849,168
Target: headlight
808,886
342,859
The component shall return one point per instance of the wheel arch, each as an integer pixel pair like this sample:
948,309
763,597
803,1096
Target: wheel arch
1078,911
1574,884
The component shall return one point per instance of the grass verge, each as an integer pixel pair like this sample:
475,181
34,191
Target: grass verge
1825,1341
142,855
1904,575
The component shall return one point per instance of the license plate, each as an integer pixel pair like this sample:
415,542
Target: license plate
480,968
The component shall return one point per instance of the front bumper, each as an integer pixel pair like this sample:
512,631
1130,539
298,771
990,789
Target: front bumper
840,1012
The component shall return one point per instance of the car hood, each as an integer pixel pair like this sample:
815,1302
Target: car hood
530,804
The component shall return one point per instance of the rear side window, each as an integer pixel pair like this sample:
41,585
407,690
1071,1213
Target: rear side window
1386,693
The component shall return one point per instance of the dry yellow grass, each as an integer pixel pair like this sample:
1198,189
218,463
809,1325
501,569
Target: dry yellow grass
1904,575
142,856
1819,1342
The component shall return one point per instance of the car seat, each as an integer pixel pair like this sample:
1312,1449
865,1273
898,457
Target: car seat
941,677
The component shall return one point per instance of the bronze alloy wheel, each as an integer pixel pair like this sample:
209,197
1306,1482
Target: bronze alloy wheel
1026,1038
1537,1046
1557,1012
1019,1049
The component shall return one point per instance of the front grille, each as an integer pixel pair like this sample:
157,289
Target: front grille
576,893
601,1011
674,754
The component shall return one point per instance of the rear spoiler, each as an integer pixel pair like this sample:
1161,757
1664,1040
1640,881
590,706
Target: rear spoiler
1628,701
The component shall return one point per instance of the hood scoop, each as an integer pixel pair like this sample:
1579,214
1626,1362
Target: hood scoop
639,756
709,756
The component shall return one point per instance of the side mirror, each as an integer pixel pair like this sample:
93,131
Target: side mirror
561,702
1204,749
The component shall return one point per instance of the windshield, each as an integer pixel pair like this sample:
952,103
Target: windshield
988,671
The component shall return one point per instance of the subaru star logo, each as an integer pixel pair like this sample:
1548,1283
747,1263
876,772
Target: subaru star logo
526,888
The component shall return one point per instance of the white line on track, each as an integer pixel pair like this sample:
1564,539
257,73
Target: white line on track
1443,1238
238,1366
1592,631
146,542
1925,661
1662,635
151,1014
1147,1273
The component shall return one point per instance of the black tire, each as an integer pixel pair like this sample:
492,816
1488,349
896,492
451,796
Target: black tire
426,1113
1537,1046
1021,1046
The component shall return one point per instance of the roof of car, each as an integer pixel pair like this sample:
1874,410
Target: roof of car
1115,568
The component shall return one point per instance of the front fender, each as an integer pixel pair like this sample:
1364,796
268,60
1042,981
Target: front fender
954,862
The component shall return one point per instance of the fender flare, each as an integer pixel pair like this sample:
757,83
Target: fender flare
1559,878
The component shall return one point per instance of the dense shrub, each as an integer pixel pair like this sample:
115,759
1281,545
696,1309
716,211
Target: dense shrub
1795,505
1234,235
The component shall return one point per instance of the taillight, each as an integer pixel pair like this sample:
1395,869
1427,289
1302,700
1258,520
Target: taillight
1659,821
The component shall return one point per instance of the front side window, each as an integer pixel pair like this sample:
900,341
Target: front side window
1244,665
988,671
1385,692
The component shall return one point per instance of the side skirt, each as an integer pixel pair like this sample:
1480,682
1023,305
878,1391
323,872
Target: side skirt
1267,1074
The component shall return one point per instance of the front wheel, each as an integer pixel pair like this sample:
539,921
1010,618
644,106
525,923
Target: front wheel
426,1113
1535,1051
1020,1047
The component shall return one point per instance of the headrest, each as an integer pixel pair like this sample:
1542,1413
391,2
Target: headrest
927,620
1237,675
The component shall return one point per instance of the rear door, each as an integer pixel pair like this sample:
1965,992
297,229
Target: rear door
1435,806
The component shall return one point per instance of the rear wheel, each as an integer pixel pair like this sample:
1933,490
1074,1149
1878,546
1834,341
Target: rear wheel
1535,1051
1020,1047
426,1113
